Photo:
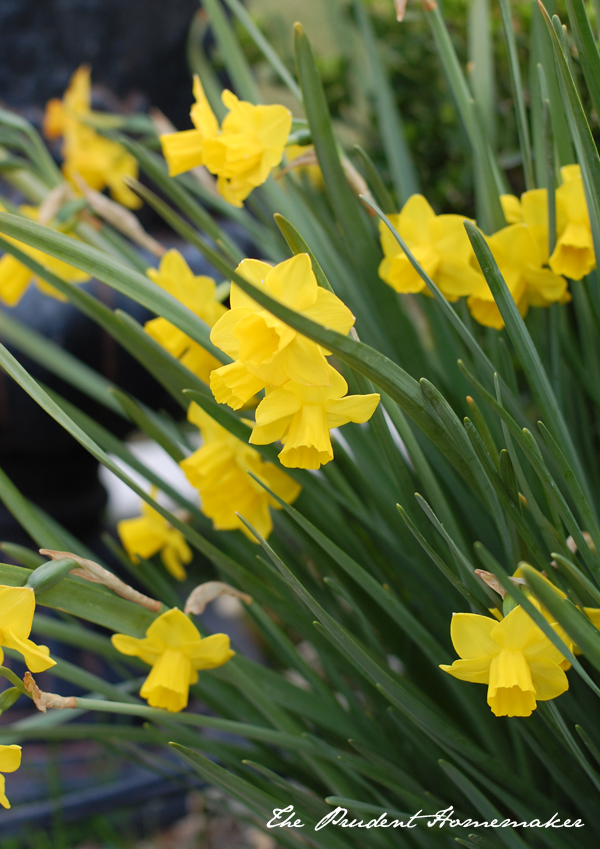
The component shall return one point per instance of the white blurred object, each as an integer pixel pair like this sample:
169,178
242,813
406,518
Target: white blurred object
122,502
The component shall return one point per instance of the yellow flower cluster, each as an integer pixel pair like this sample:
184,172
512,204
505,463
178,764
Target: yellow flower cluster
100,161
219,471
304,394
150,533
241,153
16,277
197,293
521,250
175,650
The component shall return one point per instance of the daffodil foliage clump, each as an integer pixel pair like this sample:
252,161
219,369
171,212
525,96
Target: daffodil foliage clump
390,416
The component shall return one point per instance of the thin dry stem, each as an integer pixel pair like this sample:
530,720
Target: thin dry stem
207,592
96,574
42,700
120,218
53,201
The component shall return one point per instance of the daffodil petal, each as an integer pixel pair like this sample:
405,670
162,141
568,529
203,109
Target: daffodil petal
471,635
210,652
476,670
548,679
172,629
10,758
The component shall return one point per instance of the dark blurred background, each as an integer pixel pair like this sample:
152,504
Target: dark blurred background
136,49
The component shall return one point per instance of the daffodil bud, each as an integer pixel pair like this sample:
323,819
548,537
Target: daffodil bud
49,574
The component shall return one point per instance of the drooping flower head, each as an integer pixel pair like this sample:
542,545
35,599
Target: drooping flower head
17,606
241,153
302,416
438,242
150,533
16,277
573,255
513,657
197,293
219,471
176,651
268,349
10,761
100,161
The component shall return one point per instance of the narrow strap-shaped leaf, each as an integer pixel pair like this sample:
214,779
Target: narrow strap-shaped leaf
376,184
357,235
481,64
589,58
526,351
577,494
108,269
236,63
585,636
400,162
57,360
488,177
517,89
265,47
553,717
200,63
578,576
442,566
28,516
483,805
388,602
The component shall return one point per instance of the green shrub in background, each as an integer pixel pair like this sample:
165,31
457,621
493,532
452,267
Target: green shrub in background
480,461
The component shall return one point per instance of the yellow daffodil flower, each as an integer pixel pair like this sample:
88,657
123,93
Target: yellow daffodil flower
100,161
197,293
17,605
302,416
270,350
16,277
241,153
438,242
513,657
150,533
573,255
521,251
219,470
176,651
10,761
